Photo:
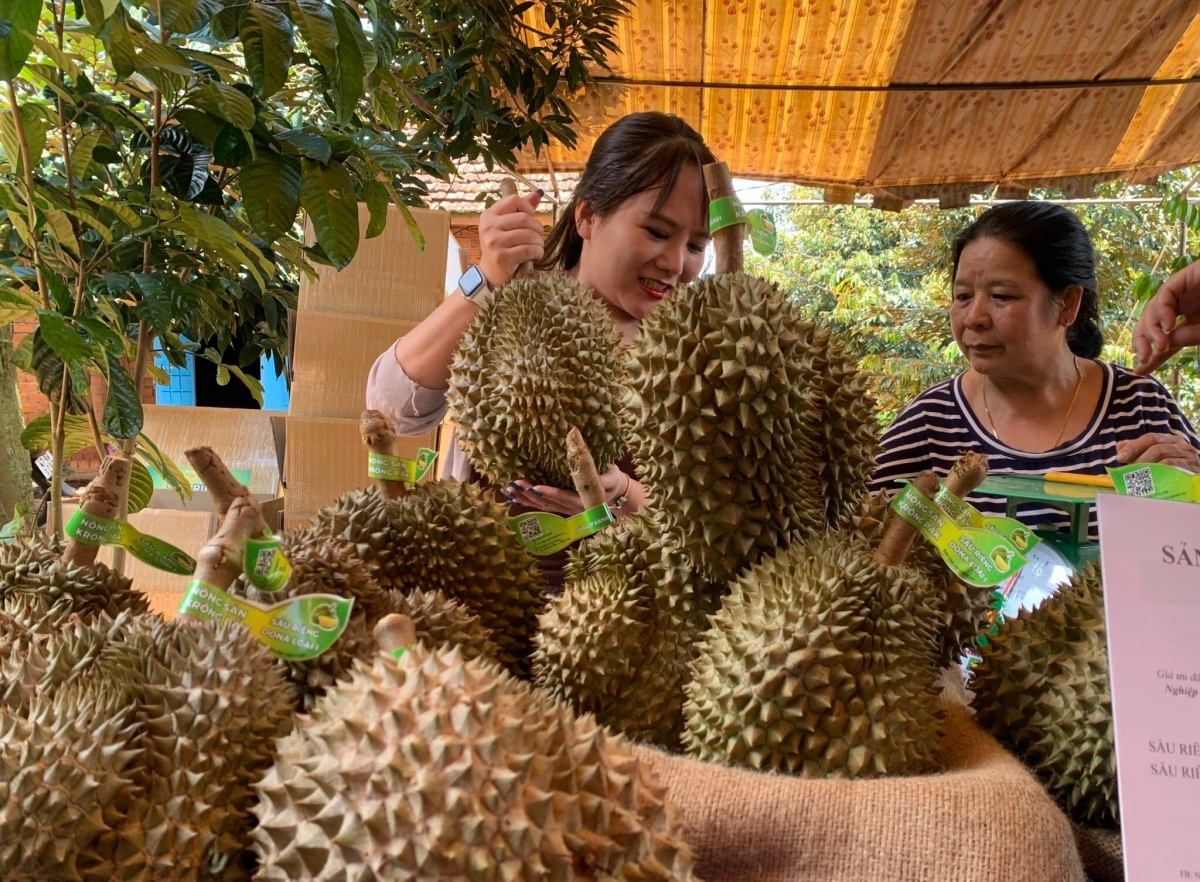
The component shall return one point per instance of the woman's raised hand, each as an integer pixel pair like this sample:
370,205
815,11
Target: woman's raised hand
1169,448
509,235
1156,337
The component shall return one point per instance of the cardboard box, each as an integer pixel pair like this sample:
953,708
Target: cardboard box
186,530
334,354
248,441
326,458
388,277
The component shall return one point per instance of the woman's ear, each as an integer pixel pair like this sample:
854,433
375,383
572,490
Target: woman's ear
585,219
1072,300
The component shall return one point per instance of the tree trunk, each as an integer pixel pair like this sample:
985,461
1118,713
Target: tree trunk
14,459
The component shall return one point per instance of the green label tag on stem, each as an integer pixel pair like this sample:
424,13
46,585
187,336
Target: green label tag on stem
725,212
969,517
977,556
264,563
91,530
1153,480
295,630
543,533
763,237
397,468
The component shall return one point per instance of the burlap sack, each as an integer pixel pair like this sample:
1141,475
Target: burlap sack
986,818
1100,850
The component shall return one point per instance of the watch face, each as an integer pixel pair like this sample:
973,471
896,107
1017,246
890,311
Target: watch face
471,282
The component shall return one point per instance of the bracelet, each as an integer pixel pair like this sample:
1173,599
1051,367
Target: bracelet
622,499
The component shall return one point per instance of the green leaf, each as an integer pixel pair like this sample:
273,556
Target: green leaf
141,487
376,197
18,23
267,41
62,337
251,383
58,224
414,229
17,305
34,123
308,144
77,434
187,16
118,43
165,466
217,236
22,356
103,334
228,102
65,61
163,57
327,194
351,68
204,127
81,153
122,406
315,20
271,194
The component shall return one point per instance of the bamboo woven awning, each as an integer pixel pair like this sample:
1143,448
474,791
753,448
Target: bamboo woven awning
914,98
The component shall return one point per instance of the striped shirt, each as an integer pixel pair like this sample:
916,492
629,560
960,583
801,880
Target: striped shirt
939,426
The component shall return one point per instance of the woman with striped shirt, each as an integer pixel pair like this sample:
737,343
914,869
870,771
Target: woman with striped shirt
1036,398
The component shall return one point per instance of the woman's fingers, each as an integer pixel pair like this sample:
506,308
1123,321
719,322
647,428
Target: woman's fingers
1157,447
509,235
543,498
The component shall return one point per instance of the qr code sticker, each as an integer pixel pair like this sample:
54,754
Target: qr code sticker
530,529
1139,483
262,566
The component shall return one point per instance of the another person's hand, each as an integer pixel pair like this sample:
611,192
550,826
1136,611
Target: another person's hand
509,235
1156,337
567,502
1168,448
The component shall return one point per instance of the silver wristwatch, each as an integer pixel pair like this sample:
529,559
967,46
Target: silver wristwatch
474,286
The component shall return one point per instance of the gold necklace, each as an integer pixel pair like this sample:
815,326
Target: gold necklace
1070,410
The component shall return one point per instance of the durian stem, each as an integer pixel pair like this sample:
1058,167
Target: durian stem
380,437
967,474
102,499
394,631
222,486
508,187
220,561
583,471
726,242
899,533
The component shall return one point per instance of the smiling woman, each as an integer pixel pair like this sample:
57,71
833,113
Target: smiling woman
636,228
1037,398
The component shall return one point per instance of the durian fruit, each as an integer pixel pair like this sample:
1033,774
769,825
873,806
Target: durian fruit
618,640
35,568
541,358
1042,689
64,778
441,622
433,767
324,565
964,607
449,537
822,661
748,426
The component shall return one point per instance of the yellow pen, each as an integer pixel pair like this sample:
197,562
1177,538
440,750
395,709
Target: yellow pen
1086,480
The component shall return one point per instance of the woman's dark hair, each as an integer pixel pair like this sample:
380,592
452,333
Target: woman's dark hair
1059,246
634,154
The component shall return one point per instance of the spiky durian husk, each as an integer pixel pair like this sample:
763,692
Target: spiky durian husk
64,779
442,622
850,431
362,518
1042,689
203,703
541,358
440,768
322,564
618,640
964,607
821,662
748,428
34,568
